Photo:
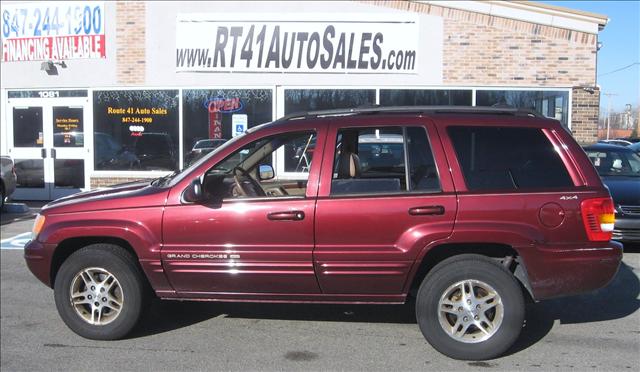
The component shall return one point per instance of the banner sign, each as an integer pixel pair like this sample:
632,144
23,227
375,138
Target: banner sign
309,43
52,30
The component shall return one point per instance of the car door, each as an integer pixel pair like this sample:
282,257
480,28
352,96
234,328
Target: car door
371,226
254,244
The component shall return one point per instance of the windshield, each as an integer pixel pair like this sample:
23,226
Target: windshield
177,176
615,162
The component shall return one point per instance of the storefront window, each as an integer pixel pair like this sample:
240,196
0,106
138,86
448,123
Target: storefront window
552,104
27,127
419,97
212,116
68,126
135,130
297,100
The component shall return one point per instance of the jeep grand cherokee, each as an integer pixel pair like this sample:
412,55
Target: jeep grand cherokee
470,210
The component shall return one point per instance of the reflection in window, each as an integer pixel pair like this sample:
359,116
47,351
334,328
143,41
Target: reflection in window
213,116
372,160
508,158
297,100
27,127
434,97
135,129
29,172
69,173
552,104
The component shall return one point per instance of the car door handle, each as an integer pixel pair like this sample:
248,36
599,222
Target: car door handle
43,153
53,153
427,210
286,216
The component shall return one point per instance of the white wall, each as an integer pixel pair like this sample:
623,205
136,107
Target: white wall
80,73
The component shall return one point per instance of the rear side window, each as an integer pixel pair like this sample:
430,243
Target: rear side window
383,160
508,158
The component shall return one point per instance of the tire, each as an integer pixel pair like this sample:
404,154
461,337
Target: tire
501,319
107,320
1,196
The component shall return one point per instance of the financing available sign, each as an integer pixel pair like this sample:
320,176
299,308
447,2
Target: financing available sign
310,43
53,30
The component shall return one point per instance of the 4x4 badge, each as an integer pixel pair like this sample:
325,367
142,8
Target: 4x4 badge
570,197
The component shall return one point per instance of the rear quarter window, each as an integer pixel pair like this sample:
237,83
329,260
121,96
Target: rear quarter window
508,158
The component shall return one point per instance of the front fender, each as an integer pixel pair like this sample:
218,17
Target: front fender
141,228
142,239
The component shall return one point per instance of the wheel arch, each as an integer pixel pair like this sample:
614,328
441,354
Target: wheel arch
70,245
507,255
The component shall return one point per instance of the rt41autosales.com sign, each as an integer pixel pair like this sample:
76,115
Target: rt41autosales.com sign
53,30
310,43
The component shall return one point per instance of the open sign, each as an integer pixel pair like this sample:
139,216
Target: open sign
223,105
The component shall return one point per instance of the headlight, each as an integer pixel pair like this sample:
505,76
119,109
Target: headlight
37,226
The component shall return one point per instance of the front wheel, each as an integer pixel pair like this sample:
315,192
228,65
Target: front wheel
99,292
470,307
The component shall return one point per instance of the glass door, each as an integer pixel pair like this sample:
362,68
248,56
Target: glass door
26,131
68,149
47,144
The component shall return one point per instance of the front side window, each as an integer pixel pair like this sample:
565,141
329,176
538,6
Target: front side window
507,158
374,160
250,173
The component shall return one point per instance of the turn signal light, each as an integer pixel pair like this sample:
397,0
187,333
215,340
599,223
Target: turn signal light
598,216
37,226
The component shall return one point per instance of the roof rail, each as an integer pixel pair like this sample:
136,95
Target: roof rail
412,109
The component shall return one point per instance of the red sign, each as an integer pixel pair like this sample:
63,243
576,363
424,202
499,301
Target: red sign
216,108
53,48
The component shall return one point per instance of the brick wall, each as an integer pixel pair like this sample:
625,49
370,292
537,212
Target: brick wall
485,50
480,49
584,115
486,55
130,42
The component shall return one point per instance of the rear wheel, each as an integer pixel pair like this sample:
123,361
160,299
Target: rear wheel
100,292
470,307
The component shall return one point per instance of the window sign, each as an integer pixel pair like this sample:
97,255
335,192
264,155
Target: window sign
68,126
311,43
239,124
53,30
135,129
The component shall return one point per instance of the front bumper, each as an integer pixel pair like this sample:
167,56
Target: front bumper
38,258
563,271
627,229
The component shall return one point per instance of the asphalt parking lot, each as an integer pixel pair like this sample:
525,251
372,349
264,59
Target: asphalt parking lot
597,331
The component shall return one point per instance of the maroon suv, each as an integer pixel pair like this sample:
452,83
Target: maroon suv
470,210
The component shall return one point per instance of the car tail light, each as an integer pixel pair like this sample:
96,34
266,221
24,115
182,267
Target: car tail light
598,216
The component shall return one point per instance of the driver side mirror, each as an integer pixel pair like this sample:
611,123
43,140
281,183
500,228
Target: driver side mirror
193,193
265,172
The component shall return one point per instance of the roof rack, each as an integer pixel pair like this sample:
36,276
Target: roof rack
412,109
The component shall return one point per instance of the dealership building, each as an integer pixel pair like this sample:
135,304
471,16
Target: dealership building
98,93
